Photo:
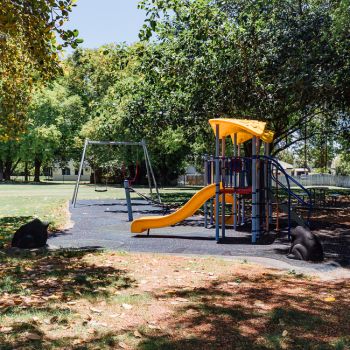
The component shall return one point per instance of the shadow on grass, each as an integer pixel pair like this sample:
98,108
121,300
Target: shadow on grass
58,275
42,284
260,312
20,339
8,226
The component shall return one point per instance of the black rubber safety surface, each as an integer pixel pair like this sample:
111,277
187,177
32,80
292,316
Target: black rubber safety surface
103,224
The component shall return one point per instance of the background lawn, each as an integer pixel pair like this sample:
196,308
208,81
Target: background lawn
49,201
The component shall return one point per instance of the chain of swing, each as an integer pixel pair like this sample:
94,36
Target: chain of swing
107,172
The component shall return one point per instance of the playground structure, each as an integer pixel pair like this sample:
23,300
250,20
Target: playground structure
150,174
242,181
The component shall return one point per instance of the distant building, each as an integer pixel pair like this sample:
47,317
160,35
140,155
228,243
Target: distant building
288,168
191,177
292,171
70,172
335,164
300,171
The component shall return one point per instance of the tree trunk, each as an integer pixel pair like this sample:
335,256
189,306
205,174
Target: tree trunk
37,166
1,170
26,172
7,170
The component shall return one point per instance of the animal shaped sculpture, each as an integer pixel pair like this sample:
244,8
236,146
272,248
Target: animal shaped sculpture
305,245
31,235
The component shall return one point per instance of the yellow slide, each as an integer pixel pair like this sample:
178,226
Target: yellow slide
148,222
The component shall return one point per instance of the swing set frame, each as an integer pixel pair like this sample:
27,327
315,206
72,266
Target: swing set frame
150,174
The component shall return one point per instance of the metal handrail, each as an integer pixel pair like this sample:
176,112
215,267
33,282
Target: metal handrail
289,191
279,166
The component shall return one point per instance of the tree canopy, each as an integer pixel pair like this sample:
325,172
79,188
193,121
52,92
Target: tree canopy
32,37
284,62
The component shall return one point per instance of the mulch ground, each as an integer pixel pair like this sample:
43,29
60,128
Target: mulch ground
113,300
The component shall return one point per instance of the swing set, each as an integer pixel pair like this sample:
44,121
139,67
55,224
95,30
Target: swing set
152,184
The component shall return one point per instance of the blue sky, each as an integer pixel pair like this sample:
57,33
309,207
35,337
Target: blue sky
105,21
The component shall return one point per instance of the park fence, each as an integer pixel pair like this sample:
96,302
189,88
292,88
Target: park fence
320,180
305,180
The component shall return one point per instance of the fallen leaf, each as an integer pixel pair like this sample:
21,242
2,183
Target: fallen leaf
5,329
97,311
98,324
329,299
284,333
33,336
122,345
259,304
137,334
54,319
17,301
153,327
182,300
232,283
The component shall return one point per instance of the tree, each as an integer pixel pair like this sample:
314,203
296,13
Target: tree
278,61
29,51
55,119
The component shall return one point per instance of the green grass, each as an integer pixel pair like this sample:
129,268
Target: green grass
295,318
48,201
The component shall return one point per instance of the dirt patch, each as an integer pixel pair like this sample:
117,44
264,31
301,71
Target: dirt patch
94,300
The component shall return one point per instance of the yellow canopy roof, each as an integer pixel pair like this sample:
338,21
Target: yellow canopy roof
244,128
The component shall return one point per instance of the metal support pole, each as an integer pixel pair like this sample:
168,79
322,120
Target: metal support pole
235,183
151,170
211,199
277,204
239,204
206,184
128,199
147,168
258,189
76,188
223,179
254,197
243,182
269,176
115,143
217,184
266,185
